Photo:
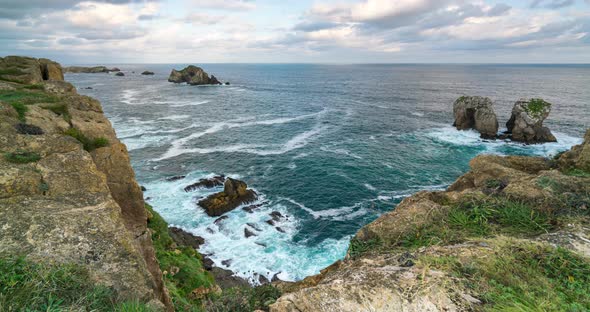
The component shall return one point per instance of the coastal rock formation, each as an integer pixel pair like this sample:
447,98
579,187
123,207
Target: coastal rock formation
526,121
120,74
235,193
147,73
206,183
67,190
90,70
475,112
192,75
29,70
447,250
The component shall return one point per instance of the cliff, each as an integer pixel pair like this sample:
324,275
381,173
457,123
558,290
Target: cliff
512,234
68,194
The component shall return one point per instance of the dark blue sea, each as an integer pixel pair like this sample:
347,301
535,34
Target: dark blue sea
330,146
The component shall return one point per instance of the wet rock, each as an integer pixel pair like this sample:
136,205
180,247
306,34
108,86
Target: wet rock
192,75
175,178
227,263
254,226
260,244
475,112
218,220
276,215
120,74
251,208
248,233
227,83
280,229
184,238
143,189
526,122
235,193
88,88
270,222
147,73
206,183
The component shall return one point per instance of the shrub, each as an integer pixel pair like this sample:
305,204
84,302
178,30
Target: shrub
61,110
88,144
358,247
22,157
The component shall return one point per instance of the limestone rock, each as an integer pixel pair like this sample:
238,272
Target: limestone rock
578,157
235,193
526,122
192,75
475,112
51,70
183,238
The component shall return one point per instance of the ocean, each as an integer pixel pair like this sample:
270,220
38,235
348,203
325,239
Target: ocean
331,147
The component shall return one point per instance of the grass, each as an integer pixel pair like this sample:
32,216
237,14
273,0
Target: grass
244,299
87,143
61,110
522,277
11,72
29,286
535,107
19,100
575,172
358,247
34,87
191,274
22,157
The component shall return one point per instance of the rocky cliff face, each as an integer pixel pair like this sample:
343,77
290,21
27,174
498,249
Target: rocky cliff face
508,234
476,112
67,190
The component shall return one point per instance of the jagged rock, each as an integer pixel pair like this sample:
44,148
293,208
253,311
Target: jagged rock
192,75
183,238
120,74
175,178
29,70
143,189
475,112
147,73
280,229
248,233
58,87
51,70
578,157
227,262
206,183
218,220
251,208
254,226
235,193
526,122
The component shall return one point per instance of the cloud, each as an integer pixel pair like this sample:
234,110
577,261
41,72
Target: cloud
552,4
231,5
10,9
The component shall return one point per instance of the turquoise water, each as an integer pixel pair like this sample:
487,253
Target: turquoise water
330,146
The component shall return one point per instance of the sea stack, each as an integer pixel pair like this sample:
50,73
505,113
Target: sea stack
192,75
235,193
476,112
526,122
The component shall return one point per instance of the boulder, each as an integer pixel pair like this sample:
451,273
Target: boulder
476,112
526,121
148,73
192,75
120,74
235,193
183,238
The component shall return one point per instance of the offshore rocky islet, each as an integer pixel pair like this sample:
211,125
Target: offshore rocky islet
386,278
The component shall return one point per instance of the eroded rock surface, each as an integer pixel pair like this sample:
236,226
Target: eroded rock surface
476,112
235,193
192,75
526,121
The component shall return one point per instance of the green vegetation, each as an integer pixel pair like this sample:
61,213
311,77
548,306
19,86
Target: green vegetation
11,72
522,277
59,109
493,183
358,247
19,99
28,286
34,87
22,157
191,274
575,172
536,107
88,144
244,299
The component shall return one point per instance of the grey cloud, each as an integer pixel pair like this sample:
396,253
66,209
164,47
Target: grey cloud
552,4
314,26
499,9
10,9
71,41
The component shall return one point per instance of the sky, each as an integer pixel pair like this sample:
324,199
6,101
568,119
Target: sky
304,31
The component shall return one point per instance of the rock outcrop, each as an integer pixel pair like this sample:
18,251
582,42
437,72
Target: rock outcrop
120,74
206,183
235,193
526,122
147,73
72,203
90,70
475,112
192,75
439,251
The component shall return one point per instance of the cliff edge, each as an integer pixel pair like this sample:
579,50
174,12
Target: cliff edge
512,234
68,194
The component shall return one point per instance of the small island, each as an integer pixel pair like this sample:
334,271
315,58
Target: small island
193,76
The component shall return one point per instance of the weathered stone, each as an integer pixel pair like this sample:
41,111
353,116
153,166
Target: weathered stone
120,74
206,183
183,238
192,75
235,193
475,112
147,73
526,122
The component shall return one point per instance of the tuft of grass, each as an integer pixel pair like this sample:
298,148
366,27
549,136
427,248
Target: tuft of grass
10,72
88,144
34,87
575,172
358,247
523,277
61,110
22,157
536,107
19,99
191,274
241,299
